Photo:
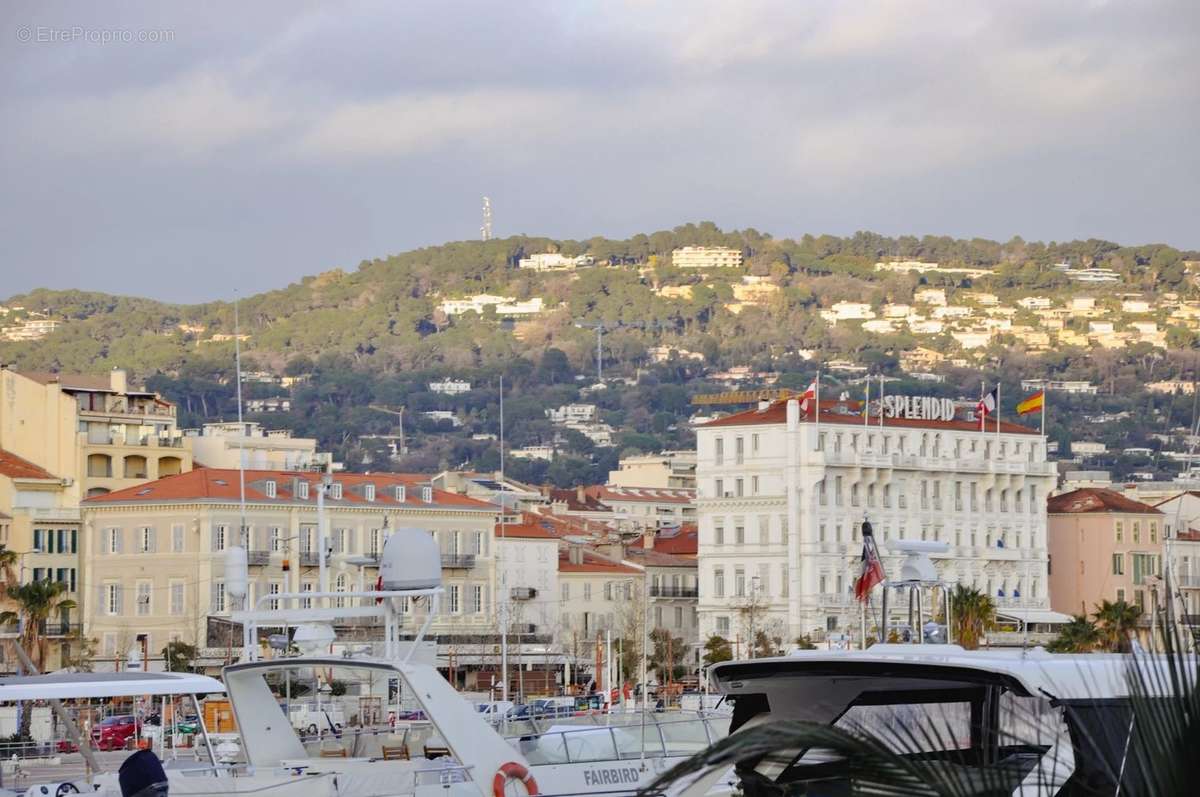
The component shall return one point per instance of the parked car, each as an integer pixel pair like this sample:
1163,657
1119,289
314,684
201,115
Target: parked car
113,732
545,707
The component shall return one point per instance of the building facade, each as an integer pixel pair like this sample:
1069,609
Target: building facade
675,469
782,498
156,555
706,257
222,445
1103,546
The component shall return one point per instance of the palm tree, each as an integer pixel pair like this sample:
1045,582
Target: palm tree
1117,619
8,560
1078,636
36,602
974,614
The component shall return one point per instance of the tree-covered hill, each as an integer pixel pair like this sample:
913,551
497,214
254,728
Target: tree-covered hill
386,312
376,336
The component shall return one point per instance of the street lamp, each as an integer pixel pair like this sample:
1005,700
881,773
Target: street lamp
755,585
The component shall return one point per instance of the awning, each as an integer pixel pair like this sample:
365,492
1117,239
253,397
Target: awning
1033,616
73,685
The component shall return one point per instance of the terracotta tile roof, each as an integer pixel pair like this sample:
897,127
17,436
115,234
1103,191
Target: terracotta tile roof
1094,499
681,541
657,558
531,527
653,495
15,467
575,502
848,412
592,563
221,484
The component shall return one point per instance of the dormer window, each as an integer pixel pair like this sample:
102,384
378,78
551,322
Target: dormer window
302,491
427,495
335,491
270,488
369,492
400,493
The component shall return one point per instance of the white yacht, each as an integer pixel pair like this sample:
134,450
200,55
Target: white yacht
454,751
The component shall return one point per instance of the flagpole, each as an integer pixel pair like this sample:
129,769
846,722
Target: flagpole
881,401
997,409
817,409
867,403
982,415
1043,410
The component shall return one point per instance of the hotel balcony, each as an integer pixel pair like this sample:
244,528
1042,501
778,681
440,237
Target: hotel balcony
458,561
674,592
258,558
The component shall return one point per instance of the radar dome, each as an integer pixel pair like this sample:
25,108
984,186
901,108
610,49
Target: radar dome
313,638
411,560
236,572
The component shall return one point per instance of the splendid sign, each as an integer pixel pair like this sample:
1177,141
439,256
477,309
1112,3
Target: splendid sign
919,408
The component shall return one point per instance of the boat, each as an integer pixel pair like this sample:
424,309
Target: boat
1028,720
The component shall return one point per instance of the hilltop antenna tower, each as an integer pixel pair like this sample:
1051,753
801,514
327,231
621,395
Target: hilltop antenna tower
485,232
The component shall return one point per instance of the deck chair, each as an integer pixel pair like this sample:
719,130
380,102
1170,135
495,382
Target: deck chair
397,752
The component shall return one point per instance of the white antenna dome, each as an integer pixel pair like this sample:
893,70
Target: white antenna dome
236,572
313,638
411,560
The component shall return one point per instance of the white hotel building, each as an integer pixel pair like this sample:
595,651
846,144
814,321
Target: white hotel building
782,498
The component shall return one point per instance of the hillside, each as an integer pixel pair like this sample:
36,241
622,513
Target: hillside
964,309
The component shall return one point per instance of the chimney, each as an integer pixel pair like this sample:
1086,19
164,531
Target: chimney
575,553
118,381
648,539
580,495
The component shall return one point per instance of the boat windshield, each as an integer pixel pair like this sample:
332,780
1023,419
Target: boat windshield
614,737
974,734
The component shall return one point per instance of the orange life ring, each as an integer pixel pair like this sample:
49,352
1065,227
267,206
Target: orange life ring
514,771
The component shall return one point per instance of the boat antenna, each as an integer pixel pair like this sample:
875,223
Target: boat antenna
500,563
237,358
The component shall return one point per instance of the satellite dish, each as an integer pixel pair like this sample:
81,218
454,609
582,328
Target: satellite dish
411,560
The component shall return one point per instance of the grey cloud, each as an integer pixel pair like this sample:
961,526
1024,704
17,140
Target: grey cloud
275,140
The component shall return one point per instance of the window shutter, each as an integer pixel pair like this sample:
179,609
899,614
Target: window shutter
216,534
120,599
213,601
118,540
102,548
153,540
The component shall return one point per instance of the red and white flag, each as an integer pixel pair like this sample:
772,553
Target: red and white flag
809,394
872,569
987,405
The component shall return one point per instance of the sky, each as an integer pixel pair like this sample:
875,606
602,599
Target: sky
188,151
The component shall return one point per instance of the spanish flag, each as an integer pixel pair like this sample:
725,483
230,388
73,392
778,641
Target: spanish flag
1032,404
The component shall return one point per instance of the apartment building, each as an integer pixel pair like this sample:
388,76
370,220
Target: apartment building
668,557
222,445
783,494
155,554
648,507
676,469
126,436
39,519
64,437
1181,544
706,257
597,594
1103,546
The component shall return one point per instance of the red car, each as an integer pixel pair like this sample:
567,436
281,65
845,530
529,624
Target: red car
113,732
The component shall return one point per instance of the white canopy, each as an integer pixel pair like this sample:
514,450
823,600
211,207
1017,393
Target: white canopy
74,685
